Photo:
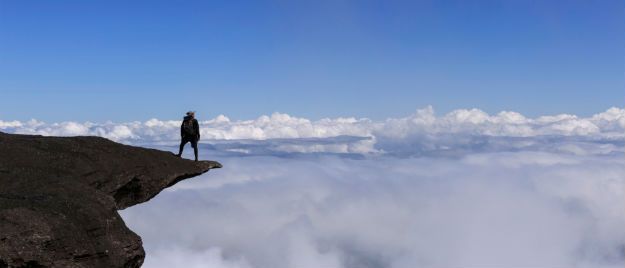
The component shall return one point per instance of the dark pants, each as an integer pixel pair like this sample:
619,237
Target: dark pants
193,141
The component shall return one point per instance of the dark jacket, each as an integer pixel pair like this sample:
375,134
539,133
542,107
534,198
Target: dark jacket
196,127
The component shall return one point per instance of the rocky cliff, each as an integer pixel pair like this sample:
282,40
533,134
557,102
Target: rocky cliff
59,198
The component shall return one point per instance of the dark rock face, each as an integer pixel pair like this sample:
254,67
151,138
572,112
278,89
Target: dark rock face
59,198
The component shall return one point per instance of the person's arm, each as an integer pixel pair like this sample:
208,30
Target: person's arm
196,126
181,129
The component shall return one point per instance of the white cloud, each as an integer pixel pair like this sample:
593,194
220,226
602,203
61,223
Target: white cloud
10,124
211,257
423,123
510,209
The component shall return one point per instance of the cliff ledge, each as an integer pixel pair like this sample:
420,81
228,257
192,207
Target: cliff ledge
59,198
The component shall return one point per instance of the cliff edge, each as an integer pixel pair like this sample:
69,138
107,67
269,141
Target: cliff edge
59,198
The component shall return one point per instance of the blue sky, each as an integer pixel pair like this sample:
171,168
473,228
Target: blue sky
135,60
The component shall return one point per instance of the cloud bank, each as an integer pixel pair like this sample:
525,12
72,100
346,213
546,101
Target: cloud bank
390,136
511,209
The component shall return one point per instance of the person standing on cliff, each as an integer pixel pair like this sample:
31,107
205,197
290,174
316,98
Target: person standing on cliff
189,132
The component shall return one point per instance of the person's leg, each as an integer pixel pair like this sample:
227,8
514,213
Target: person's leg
194,144
182,143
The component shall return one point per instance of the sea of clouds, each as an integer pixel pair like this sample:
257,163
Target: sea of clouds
464,189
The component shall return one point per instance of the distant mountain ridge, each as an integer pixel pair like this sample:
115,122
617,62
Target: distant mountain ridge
59,198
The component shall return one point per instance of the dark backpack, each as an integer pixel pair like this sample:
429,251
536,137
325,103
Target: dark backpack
187,127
